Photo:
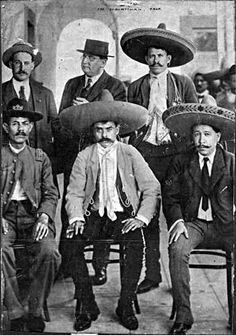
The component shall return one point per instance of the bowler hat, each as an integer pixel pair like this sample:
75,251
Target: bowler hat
95,47
22,46
135,44
20,108
128,115
181,119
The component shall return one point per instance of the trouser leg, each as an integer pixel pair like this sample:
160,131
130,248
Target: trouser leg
179,254
100,255
152,251
45,262
133,244
11,290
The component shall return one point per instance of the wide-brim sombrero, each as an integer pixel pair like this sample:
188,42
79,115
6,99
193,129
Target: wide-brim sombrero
136,42
22,46
20,108
181,118
128,115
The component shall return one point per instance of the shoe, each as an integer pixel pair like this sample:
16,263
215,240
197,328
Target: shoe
147,285
99,278
127,317
17,324
179,329
35,323
84,315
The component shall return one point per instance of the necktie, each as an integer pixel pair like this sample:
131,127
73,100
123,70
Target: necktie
85,90
206,184
22,93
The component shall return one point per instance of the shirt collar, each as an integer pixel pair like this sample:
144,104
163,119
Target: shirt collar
210,157
159,76
94,78
16,151
17,84
103,151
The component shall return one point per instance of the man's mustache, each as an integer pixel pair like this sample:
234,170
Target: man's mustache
203,146
21,133
154,64
105,140
21,72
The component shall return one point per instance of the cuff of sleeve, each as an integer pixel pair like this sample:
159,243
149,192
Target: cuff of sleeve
142,218
72,220
174,224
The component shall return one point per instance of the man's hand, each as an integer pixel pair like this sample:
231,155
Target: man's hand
4,226
74,228
41,227
177,231
131,224
79,101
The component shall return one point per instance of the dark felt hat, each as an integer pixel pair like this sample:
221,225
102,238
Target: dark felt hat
20,108
128,115
96,47
22,46
136,42
181,118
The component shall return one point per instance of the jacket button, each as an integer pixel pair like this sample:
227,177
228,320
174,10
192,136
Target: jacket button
11,182
14,160
13,171
8,193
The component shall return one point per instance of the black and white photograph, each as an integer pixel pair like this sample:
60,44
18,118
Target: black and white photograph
117,167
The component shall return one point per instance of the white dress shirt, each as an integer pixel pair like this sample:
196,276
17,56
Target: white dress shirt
17,85
94,79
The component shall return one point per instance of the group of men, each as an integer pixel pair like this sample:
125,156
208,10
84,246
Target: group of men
111,189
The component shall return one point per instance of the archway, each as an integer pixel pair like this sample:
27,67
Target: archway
73,37
52,21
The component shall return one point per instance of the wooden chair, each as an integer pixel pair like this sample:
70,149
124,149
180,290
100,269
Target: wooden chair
119,260
22,273
227,263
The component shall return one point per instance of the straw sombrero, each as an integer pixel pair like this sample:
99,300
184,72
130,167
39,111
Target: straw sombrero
22,46
136,42
128,115
181,118
20,108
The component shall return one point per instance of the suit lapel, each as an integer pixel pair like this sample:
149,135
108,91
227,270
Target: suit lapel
9,93
145,91
97,88
93,163
170,90
194,169
217,168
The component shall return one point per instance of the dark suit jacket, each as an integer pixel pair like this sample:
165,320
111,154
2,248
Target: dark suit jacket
43,101
69,147
180,89
182,189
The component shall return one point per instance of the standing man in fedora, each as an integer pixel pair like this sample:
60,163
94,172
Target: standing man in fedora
159,49
22,58
112,194
197,195
83,89
29,201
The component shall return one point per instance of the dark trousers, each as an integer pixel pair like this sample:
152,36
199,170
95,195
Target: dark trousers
43,260
100,253
97,228
179,254
158,163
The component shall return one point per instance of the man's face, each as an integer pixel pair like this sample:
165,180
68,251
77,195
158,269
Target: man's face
205,139
157,60
18,130
105,133
21,65
92,65
200,83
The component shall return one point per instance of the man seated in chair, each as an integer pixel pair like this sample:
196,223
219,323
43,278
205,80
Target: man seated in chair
29,200
197,195
112,194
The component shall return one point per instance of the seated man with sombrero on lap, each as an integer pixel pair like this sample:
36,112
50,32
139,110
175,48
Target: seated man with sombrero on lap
197,195
112,194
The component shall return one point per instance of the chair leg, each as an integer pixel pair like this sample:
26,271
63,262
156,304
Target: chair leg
46,311
229,285
173,311
136,305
